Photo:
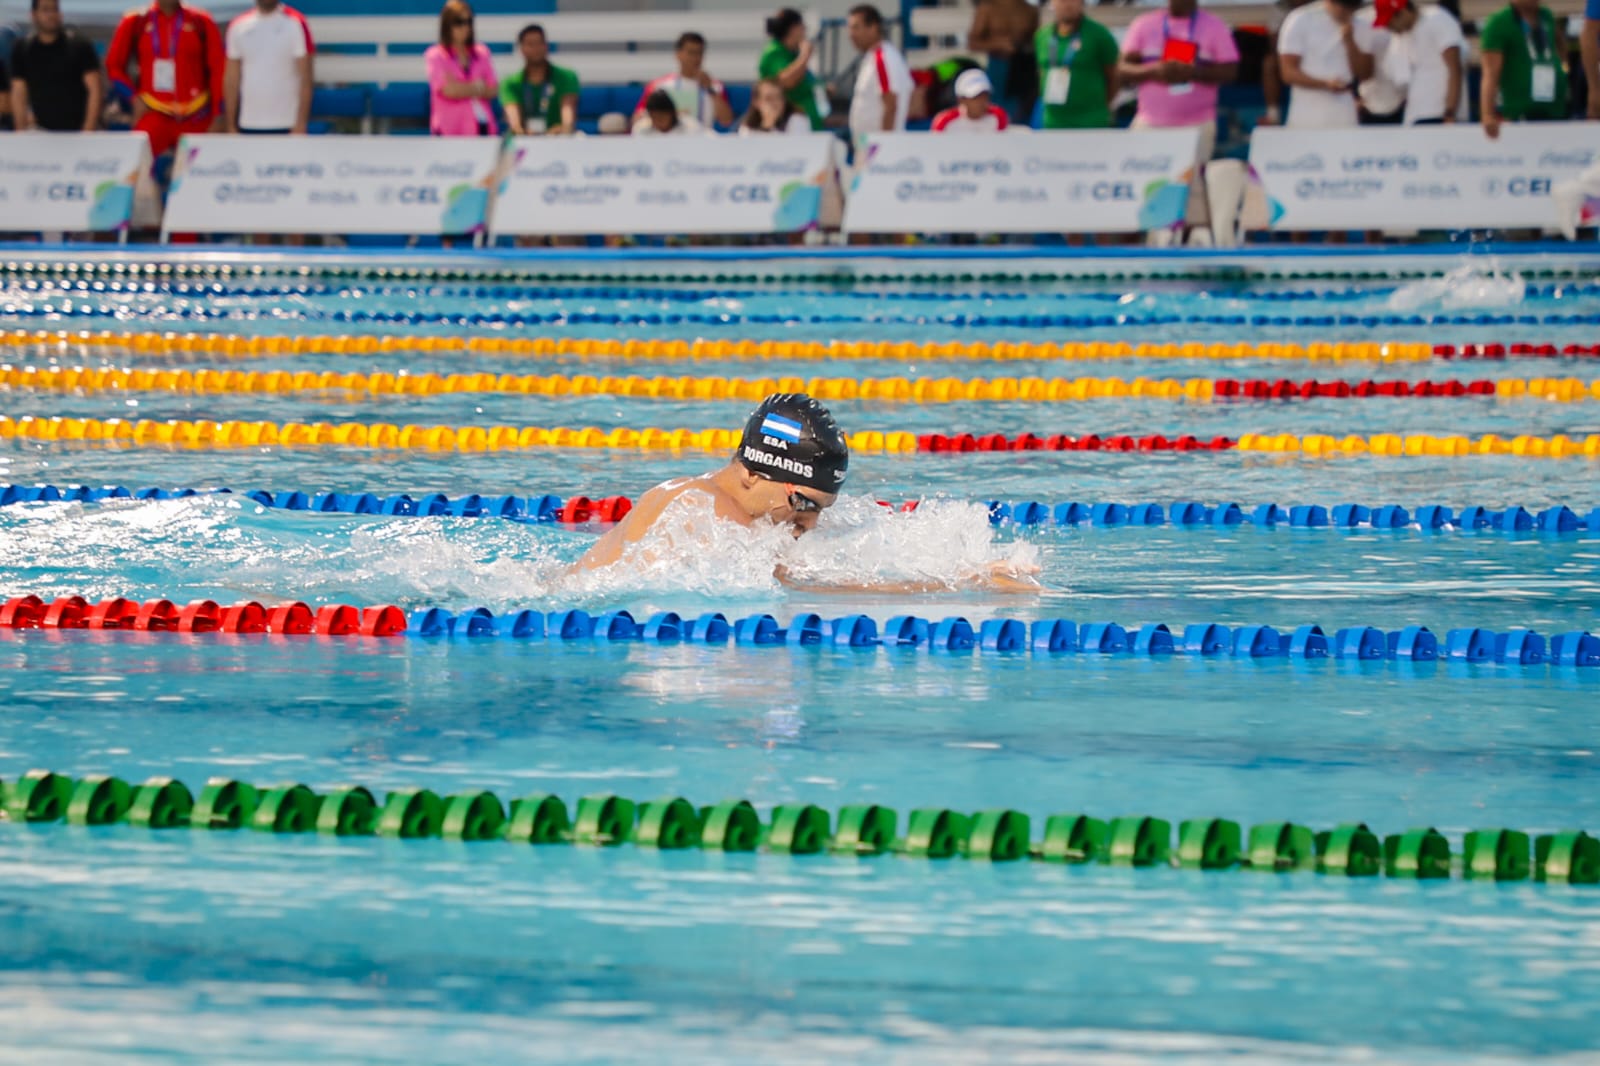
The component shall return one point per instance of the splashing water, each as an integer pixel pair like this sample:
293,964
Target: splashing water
856,543
224,548
1467,286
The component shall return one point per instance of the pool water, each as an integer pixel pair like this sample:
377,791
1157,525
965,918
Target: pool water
124,944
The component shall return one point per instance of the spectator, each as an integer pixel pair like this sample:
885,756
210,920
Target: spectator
178,50
696,93
787,60
1271,69
1178,58
1077,69
1003,31
975,111
1589,45
771,111
882,97
1381,99
1324,51
661,117
5,96
55,76
1425,56
461,77
267,87
541,97
1523,75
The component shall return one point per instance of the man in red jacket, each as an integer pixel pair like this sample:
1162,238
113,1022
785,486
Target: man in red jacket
178,52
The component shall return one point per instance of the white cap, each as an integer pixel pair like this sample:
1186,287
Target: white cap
972,83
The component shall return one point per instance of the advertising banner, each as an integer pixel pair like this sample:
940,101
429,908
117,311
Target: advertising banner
1077,181
602,185
332,185
73,182
1419,177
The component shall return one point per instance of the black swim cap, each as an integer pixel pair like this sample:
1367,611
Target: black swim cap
792,438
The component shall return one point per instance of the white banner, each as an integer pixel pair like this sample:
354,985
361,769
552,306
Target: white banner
1419,177
1082,181
400,185
73,182
774,183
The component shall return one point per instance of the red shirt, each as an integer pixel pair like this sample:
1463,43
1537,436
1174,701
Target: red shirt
955,120
188,38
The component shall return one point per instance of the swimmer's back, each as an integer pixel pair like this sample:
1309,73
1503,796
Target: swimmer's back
648,508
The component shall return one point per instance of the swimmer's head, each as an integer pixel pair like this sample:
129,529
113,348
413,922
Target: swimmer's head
793,438
793,444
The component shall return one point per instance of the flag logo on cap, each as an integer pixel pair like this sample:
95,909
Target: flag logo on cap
781,428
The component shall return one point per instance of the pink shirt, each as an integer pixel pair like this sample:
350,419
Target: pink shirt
459,118
1147,38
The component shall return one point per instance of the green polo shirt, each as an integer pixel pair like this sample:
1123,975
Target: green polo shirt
1504,32
540,98
1087,54
804,95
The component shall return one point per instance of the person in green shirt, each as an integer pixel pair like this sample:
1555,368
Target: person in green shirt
1524,77
541,97
1077,69
787,61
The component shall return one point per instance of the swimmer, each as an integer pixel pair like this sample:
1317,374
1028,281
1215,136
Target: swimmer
788,469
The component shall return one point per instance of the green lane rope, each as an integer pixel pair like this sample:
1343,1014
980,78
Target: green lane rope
673,823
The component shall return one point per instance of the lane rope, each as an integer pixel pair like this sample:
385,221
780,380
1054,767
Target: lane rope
532,289
234,345
727,318
1556,519
354,385
1044,637
863,830
843,277
205,433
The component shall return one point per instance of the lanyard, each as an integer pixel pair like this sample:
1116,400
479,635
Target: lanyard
1540,56
1166,29
155,40
1063,58
546,87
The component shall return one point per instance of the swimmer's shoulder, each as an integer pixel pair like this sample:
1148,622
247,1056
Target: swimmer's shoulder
656,500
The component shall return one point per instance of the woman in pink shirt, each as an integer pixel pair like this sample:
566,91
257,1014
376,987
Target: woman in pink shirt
461,77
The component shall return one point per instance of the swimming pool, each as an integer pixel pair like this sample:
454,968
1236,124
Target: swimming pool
195,946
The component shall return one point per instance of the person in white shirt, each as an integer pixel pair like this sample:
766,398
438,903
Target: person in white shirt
1425,57
975,111
771,111
695,91
661,117
1381,98
883,85
1324,51
266,85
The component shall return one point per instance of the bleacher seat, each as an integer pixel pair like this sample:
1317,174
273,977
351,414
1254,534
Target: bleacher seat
594,100
739,96
409,102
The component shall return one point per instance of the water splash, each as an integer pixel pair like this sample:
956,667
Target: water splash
857,543
225,548
1477,283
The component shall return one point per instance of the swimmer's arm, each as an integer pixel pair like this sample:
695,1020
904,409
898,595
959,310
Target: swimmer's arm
1001,577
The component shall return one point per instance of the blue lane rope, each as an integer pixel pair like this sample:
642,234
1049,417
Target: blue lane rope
1189,515
122,314
1054,636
